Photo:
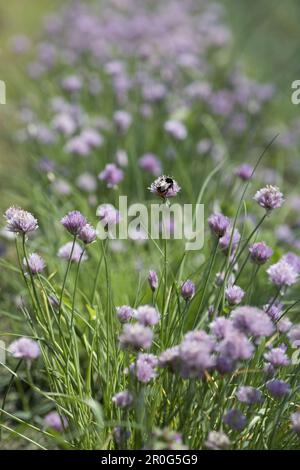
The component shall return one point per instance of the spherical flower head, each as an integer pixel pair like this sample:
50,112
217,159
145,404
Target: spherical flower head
108,215
65,252
269,198
260,253
153,280
235,419
145,367
74,221
136,336
78,146
244,172
188,289
20,221
124,313
169,358
151,164
72,83
24,348
87,234
147,315
122,120
293,260
234,346
249,395
234,295
252,321
278,388
294,335
228,239
165,187
87,182
54,421
36,264
92,137
176,129
123,399
218,224
112,175
282,274
295,422
196,354
217,440
277,357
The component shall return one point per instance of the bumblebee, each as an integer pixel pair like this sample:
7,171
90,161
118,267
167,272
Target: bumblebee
164,185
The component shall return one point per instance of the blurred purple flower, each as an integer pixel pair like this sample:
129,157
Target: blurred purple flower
260,253
24,348
112,175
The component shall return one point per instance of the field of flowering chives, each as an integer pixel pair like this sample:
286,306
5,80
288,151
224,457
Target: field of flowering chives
137,342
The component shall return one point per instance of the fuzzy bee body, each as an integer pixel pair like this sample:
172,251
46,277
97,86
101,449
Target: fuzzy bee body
164,186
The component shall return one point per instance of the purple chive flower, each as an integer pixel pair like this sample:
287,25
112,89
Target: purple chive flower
234,295
293,260
169,358
123,399
188,290
54,421
260,252
72,83
217,440
92,138
122,158
145,367
153,280
64,123
221,327
235,419
20,221
87,234
235,346
218,224
228,238
36,264
147,315
87,182
24,348
244,172
252,321
277,357
176,129
151,164
124,313
74,221
294,335
108,215
164,187
122,120
249,395
65,252
269,370
278,388
112,175
295,422
196,354
269,198
78,146
282,274
136,336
